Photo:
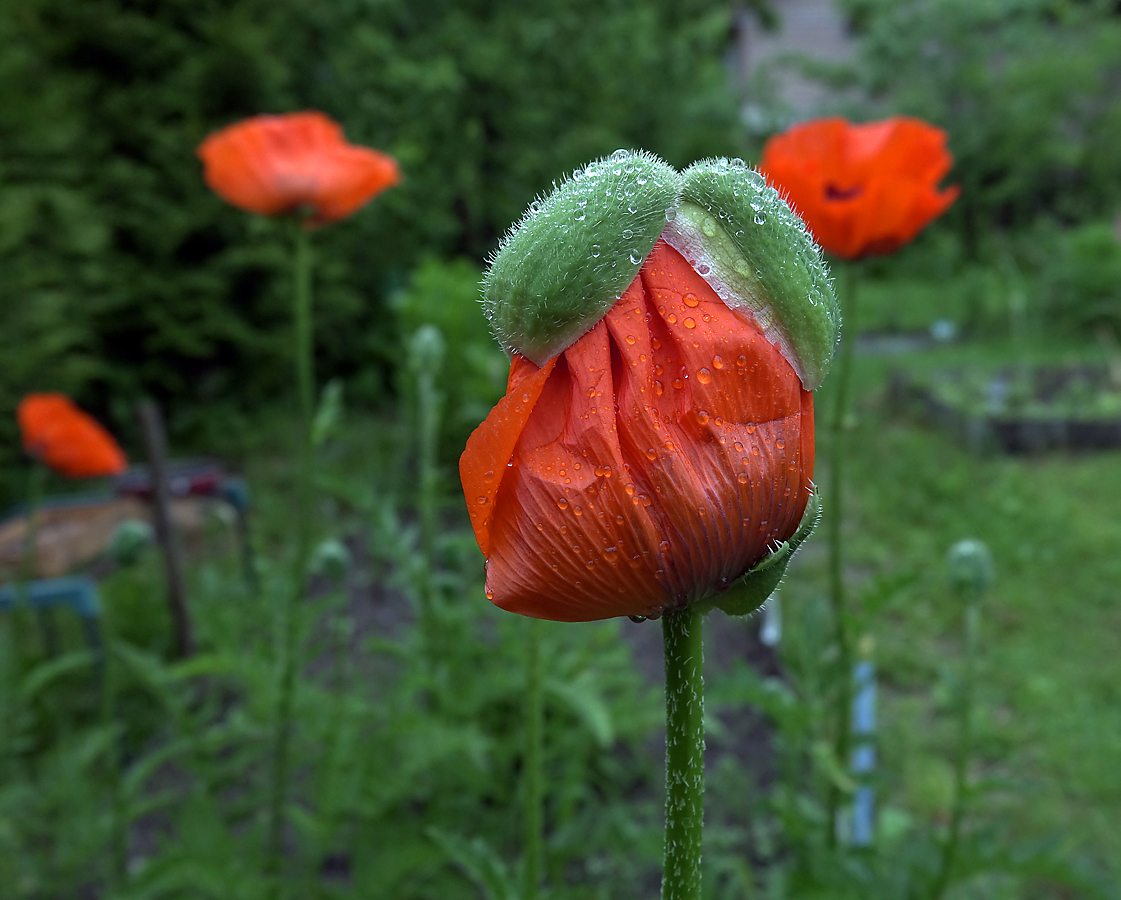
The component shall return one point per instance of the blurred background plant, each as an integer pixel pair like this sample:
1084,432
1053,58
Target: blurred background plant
124,277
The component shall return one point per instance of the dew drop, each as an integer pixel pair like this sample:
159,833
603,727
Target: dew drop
738,446
577,511
702,417
611,554
670,446
619,155
562,503
659,388
655,343
718,362
490,595
629,488
482,501
742,478
595,251
780,444
750,430
690,322
672,319
741,360
760,218
631,339
704,376
678,383
690,300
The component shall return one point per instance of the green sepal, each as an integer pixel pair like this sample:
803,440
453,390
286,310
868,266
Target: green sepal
748,593
573,254
741,236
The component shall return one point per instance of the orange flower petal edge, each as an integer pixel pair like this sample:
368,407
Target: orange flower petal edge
863,190
59,434
271,165
649,465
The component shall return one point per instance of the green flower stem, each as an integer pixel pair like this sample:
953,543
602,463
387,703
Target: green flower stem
428,426
289,662
838,600
533,815
965,741
685,754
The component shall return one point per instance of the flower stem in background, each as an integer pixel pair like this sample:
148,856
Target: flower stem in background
685,749
837,596
974,571
289,664
532,817
427,358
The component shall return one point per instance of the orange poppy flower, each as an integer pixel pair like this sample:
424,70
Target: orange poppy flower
863,190
648,465
60,435
277,164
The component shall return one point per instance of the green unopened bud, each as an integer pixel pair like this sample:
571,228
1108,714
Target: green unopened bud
330,559
573,254
130,539
971,567
740,235
427,348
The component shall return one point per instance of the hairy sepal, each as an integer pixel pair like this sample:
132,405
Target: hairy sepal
563,266
744,240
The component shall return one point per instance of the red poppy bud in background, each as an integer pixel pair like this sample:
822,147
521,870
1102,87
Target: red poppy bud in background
655,444
863,190
272,165
60,435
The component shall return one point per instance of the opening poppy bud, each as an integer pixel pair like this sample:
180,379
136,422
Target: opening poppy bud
743,239
563,266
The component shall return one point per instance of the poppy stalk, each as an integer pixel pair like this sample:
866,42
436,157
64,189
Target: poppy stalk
653,455
863,190
296,165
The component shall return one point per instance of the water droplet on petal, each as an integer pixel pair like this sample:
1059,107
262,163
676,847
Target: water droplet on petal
562,503
690,300
704,376
690,322
742,478
717,362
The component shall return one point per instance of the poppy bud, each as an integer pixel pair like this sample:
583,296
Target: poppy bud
655,445
971,567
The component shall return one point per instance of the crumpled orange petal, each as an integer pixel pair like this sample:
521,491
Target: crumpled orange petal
276,164
863,190
649,465
60,435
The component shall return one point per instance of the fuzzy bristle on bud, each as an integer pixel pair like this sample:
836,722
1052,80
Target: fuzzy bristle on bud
744,240
563,266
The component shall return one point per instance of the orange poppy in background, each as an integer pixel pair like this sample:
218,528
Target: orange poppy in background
60,435
863,190
649,465
272,165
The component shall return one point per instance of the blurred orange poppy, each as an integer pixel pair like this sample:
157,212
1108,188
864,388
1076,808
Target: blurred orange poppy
863,190
279,164
647,466
60,435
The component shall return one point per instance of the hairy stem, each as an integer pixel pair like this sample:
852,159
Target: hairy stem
685,754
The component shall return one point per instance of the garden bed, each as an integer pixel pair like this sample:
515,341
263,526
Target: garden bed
1020,410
